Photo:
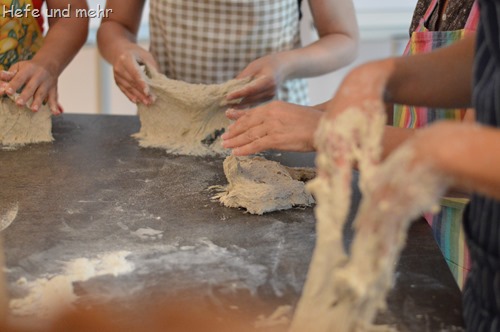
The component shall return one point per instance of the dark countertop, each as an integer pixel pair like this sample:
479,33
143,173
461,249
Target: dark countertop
93,188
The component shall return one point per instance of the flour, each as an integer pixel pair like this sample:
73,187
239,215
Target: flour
20,126
49,296
261,186
184,115
342,293
8,217
281,316
148,233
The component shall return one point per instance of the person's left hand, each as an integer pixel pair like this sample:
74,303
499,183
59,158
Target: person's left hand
267,75
276,125
36,81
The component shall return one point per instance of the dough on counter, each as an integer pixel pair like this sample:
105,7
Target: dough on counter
185,118
344,293
260,185
20,126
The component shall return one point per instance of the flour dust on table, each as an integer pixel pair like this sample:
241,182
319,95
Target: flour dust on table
185,119
50,295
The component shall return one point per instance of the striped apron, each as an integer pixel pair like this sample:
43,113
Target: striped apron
212,41
20,37
424,41
447,223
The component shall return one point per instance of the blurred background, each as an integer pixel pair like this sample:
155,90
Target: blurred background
87,85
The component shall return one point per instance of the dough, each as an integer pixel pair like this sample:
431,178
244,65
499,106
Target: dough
342,293
261,185
185,118
20,126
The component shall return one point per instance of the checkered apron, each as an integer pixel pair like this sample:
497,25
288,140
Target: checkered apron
212,41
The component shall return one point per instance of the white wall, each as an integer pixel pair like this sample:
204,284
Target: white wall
383,28
87,85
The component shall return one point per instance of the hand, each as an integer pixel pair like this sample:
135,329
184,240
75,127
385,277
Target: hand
128,75
276,125
363,87
36,81
267,77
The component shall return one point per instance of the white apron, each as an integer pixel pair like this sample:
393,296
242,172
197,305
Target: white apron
212,41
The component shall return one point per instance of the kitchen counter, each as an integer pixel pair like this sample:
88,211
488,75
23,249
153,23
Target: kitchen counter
94,191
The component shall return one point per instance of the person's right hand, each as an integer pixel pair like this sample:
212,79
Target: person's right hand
129,77
362,88
276,125
38,82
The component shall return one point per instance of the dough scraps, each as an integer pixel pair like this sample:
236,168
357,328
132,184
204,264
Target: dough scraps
20,125
344,294
260,185
48,297
185,118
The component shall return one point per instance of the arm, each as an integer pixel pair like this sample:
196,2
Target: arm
39,76
117,41
438,79
337,46
465,151
405,80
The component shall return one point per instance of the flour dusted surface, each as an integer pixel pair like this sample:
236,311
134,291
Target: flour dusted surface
184,115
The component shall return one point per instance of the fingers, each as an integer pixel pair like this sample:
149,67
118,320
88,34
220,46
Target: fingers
260,90
7,75
52,100
246,121
130,79
37,89
33,82
234,114
251,134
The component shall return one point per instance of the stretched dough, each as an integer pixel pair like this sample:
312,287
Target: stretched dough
20,126
342,293
185,118
261,185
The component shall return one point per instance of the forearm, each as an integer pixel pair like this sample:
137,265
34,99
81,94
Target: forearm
113,39
118,32
438,79
393,137
323,56
335,22
65,38
468,153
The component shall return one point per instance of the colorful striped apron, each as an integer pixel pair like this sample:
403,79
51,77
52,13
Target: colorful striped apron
447,224
424,41
20,37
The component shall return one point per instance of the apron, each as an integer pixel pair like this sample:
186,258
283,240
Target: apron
212,41
20,37
425,41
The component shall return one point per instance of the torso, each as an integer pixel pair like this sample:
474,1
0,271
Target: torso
482,217
459,10
208,41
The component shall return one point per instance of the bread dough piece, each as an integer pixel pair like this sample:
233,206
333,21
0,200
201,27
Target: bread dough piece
183,115
20,126
342,293
261,186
